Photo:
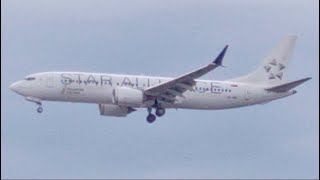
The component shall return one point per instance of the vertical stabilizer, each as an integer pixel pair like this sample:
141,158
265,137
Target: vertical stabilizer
272,70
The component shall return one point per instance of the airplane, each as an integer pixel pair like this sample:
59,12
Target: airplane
119,95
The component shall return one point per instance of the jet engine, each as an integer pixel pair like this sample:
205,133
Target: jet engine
114,110
127,97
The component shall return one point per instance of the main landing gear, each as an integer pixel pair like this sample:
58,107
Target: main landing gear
151,117
160,111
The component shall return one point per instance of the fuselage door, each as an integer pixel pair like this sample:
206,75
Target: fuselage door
49,81
248,95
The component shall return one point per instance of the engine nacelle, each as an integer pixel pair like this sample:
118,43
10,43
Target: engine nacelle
114,110
127,97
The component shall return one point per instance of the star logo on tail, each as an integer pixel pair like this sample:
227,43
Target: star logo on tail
274,69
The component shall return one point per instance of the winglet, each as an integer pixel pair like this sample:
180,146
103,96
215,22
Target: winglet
218,60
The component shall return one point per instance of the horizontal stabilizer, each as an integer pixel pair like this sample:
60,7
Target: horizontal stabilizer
288,86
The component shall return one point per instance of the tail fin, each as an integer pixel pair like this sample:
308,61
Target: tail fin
288,86
272,70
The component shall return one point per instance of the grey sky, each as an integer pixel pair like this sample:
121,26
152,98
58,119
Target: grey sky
165,38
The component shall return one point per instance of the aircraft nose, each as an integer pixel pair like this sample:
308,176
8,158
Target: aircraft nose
15,86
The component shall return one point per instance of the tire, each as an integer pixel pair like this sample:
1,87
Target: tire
160,111
151,118
40,110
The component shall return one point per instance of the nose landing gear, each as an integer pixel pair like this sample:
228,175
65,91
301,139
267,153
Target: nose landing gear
37,101
40,109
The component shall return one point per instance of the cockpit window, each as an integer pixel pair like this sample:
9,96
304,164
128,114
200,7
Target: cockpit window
30,78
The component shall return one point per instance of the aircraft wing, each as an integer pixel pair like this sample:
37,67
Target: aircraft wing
167,91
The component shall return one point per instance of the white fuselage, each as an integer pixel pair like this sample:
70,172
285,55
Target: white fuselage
99,89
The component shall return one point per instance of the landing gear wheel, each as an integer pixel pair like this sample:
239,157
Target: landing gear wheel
151,118
40,109
160,111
